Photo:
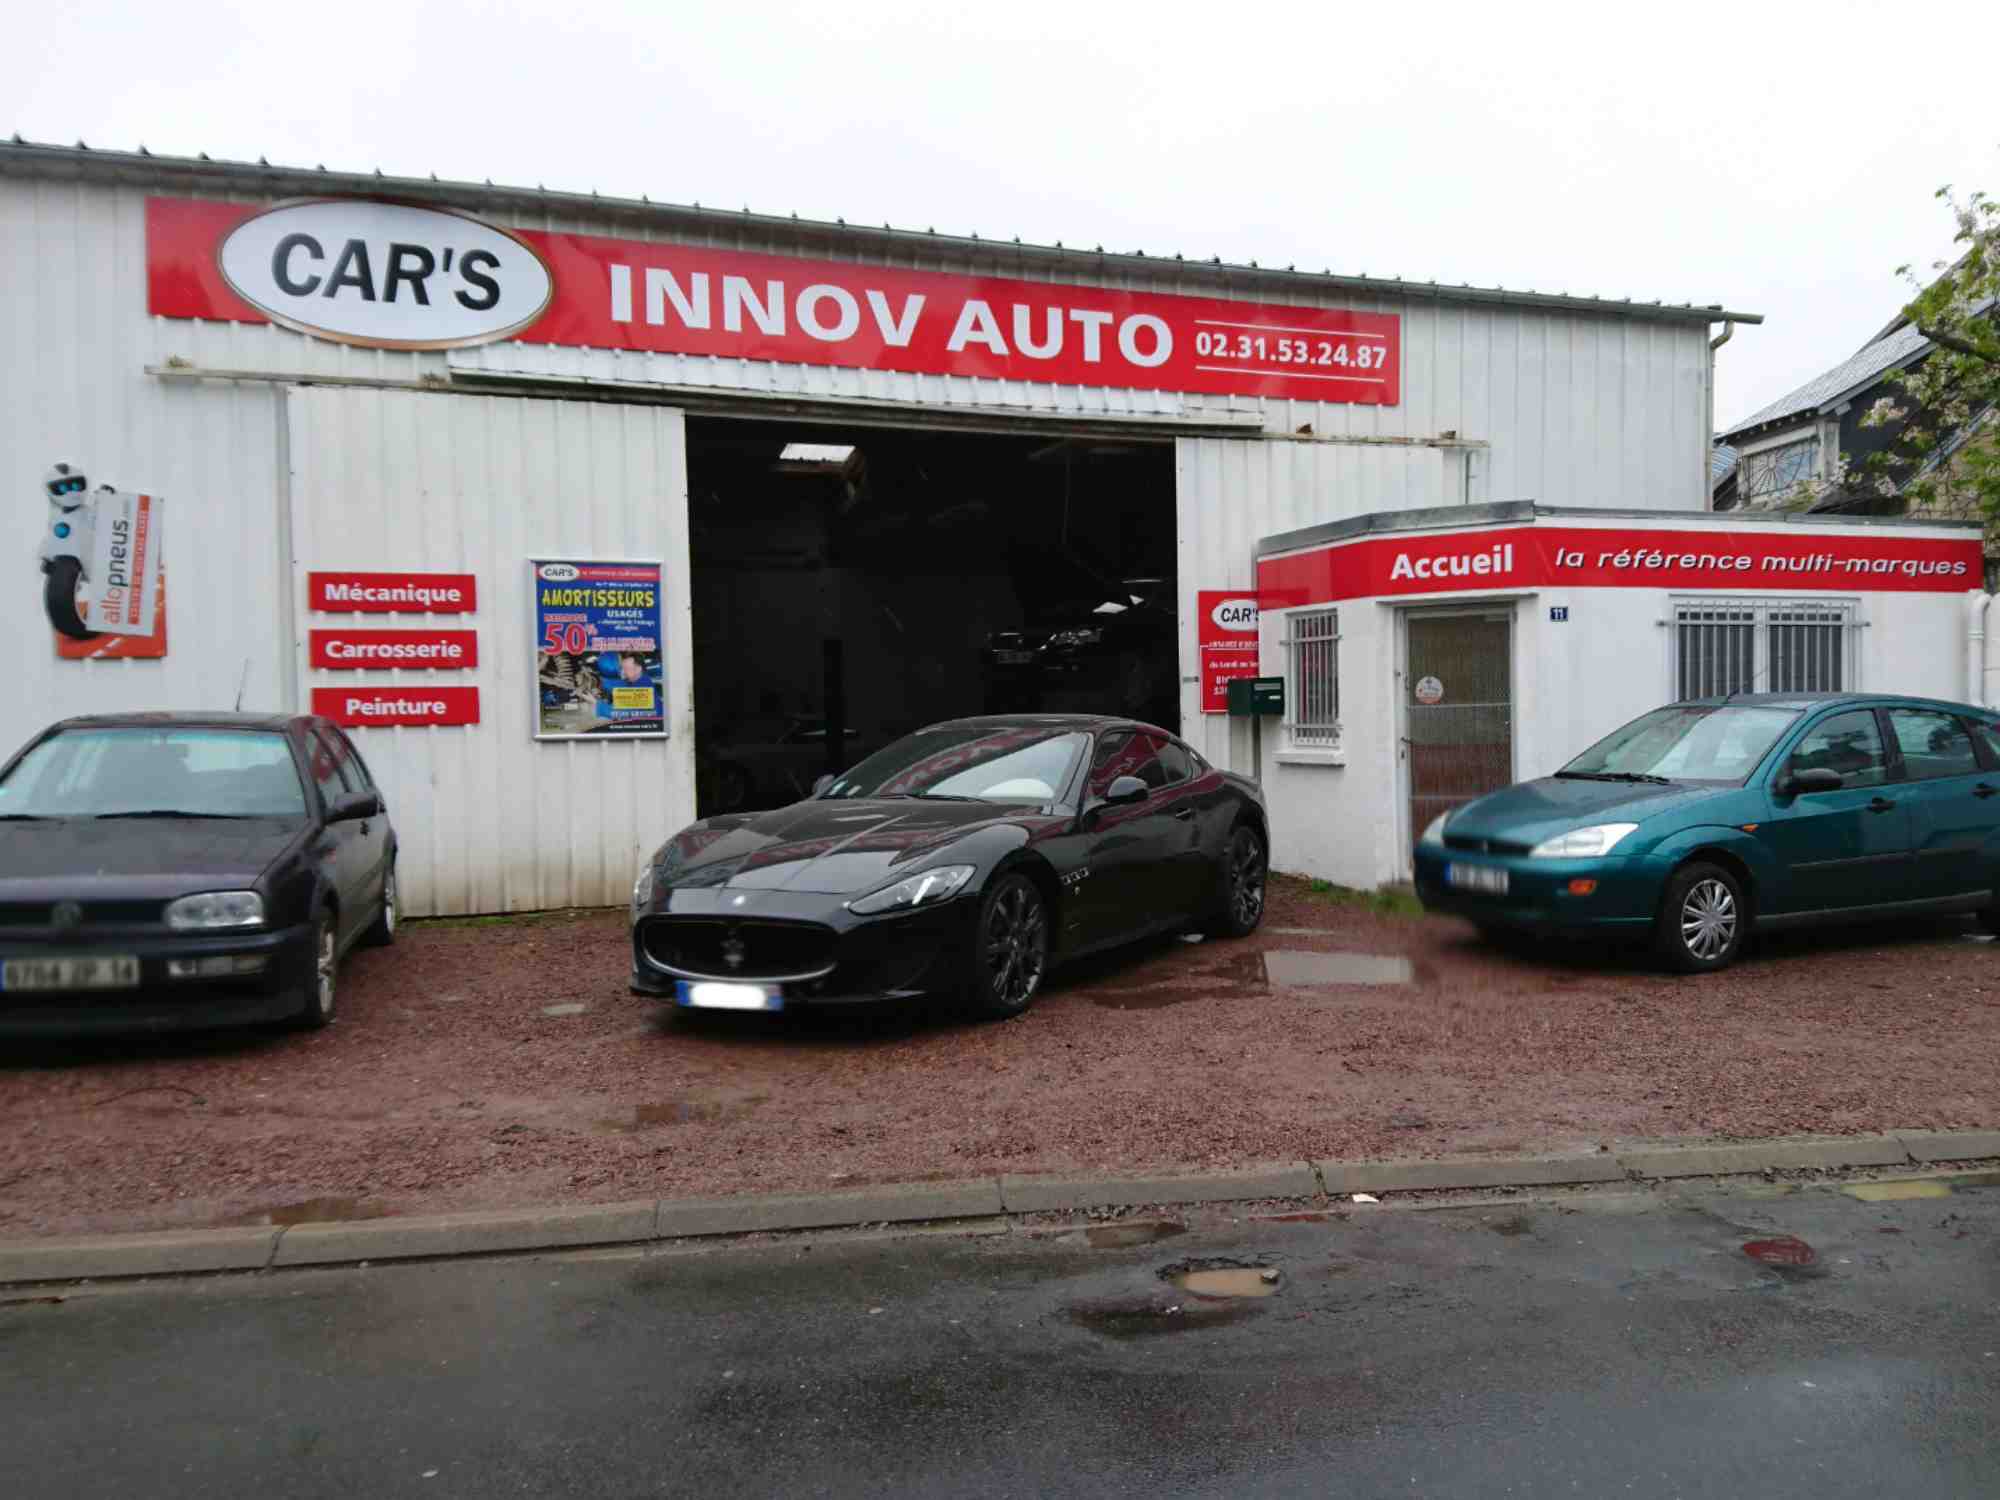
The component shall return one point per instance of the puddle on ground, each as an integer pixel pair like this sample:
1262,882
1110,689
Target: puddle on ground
1222,1280
1143,1319
1518,1224
1897,1192
1293,968
701,1108
1152,998
1124,1236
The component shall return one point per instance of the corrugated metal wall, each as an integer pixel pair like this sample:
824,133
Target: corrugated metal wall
1566,408
489,818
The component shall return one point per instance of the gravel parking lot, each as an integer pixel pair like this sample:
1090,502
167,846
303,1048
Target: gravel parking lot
491,1064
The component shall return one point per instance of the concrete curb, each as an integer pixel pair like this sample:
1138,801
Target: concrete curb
428,1236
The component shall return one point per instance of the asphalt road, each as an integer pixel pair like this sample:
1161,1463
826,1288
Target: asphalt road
1620,1345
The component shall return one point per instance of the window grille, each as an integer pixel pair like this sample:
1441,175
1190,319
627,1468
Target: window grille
1777,470
1724,646
1312,699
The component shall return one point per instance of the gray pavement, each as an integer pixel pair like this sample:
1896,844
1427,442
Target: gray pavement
1611,1344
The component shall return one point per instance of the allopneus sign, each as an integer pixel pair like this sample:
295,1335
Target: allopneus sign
385,275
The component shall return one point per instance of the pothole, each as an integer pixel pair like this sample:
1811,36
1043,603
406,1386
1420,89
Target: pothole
1222,1280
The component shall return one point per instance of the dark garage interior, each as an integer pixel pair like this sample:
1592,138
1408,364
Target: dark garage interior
854,584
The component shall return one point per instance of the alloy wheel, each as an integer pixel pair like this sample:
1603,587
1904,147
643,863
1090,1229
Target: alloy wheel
389,902
1016,950
1246,879
326,967
1708,919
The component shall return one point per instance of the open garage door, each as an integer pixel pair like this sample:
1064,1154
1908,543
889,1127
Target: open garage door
489,818
853,584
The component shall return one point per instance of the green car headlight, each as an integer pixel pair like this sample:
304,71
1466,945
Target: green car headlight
1582,843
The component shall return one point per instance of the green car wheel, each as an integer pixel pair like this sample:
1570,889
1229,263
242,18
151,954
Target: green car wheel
1703,919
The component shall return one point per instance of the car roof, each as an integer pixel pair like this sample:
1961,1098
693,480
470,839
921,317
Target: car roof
1089,722
187,720
1821,700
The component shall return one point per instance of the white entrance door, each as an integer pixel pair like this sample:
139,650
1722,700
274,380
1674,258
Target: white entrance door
489,819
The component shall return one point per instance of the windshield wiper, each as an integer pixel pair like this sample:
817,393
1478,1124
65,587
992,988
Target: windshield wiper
167,812
23,818
1642,776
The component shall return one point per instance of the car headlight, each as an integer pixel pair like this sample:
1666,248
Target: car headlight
642,888
1582,843
214,909
927,889
1434,834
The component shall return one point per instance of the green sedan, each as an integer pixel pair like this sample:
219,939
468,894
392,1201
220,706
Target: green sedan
1702,822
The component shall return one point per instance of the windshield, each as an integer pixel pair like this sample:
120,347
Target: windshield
1686,743
983,763
101,773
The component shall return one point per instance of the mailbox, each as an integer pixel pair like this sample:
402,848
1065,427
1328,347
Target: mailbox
1252,696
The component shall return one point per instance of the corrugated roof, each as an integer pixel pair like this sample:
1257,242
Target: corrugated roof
1880,357
1721,463
261,176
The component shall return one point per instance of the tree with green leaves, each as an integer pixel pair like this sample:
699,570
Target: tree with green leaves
1945,456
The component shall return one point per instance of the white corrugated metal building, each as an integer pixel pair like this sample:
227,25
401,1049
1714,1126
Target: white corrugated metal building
286,447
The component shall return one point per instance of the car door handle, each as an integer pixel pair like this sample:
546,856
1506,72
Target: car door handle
1984,790
1880,804
1183,813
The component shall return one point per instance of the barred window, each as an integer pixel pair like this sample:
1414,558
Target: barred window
1777,470
1724,646
1312,697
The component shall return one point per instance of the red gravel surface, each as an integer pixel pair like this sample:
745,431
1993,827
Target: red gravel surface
446,1084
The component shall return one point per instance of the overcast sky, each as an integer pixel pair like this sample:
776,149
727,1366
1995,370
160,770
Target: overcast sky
1777,159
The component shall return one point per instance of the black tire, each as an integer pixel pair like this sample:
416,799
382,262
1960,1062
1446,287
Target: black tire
1010,952
1246,866
321,999
1702,921
382,931
59,599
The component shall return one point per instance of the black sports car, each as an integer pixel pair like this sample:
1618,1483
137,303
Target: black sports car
160,871
962,860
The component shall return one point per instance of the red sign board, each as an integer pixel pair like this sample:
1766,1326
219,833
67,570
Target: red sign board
1228,634
363,650
1711,559
385,707
737,304
393,593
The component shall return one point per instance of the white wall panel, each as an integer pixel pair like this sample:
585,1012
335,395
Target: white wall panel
490,819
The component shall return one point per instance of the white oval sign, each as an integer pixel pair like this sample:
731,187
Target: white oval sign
387,275
1236,614
1429,690
558,572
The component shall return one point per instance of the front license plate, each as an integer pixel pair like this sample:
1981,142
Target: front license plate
111,972
1488,878
698,994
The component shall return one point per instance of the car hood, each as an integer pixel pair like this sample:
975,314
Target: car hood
1530,811
837,847
85,859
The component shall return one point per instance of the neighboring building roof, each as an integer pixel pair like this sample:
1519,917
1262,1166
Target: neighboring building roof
1894,349
190,173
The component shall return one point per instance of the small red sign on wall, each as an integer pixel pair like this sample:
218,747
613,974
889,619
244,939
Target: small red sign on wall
385,707
1228,633
379,650
393,593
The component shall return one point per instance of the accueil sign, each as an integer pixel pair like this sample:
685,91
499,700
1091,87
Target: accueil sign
407,276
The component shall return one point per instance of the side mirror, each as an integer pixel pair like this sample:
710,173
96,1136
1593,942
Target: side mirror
822,784
1125,791
1818,779
353,807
